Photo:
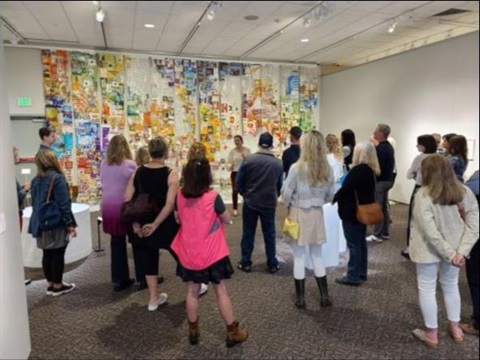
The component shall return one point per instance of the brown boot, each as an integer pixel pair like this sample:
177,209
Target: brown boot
235,335
193,332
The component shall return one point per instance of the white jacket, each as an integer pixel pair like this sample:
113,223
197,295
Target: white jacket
439,232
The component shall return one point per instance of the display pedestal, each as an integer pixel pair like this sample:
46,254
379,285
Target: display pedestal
78,248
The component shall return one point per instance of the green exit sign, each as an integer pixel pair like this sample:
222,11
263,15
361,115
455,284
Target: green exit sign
24,101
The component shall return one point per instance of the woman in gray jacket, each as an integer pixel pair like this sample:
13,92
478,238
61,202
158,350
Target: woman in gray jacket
445,228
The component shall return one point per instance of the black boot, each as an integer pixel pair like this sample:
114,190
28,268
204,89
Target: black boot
300,292
322,285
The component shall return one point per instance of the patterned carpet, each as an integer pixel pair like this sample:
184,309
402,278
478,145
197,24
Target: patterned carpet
373,321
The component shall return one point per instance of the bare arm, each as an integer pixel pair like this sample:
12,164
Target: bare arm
225,217
130,189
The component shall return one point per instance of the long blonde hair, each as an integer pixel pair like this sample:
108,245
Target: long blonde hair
46,160
334,147
313,164
442,185
365,153
118,150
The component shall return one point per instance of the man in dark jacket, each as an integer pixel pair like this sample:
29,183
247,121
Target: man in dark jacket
259,181
292,154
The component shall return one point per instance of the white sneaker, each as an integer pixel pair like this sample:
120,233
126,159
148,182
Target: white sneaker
203,289
161,300
374,238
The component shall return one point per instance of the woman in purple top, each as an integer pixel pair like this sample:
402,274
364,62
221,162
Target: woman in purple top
115,172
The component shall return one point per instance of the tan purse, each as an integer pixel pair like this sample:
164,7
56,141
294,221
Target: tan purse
369,214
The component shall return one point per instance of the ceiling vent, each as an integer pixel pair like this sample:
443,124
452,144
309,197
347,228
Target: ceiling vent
451,11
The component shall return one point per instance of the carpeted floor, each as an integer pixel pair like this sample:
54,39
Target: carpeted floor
373,321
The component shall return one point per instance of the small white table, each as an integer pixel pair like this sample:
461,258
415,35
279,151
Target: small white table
78,248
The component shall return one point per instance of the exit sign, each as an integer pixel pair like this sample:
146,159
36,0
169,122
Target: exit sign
24,101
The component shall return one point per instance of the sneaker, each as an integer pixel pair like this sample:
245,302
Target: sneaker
203,289
385,236
244,268
66,288
345,281
28,281
161,300
374,238
274,269
49,290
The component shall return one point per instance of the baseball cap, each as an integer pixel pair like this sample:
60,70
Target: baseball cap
265,141
296,132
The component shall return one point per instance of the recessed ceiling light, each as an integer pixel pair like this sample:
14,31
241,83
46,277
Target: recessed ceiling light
150,26
251,17
305,40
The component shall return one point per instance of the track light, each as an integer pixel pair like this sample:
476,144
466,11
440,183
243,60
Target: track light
307,21
392,27
100,15
212,10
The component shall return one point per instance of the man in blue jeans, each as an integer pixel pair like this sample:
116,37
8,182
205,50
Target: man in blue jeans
259,180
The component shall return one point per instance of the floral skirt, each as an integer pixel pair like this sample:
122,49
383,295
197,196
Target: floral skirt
222,269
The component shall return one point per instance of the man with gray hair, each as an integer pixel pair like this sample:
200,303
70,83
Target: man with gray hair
386,160
259,180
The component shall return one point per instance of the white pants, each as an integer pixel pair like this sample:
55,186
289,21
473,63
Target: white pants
427,283
300,253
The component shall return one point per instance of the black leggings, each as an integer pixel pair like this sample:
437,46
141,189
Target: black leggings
149,258
53,262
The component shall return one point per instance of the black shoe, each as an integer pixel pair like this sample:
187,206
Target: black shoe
345,281
273,269
143,284
405,254
28,281
123,285
66,288
363,278
244,268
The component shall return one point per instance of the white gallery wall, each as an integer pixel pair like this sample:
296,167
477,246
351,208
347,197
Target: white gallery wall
426,90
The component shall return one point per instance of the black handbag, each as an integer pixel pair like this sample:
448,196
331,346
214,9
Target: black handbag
49,214
140,208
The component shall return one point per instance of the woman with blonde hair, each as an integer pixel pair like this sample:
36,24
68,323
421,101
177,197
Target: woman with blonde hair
50,182
334,156
308,186
358,186
445,228
115,172
142,156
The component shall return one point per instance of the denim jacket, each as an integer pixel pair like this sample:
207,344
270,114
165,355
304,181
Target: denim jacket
60,194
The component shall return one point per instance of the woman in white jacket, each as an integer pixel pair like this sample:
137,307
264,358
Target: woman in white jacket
308,186
445,228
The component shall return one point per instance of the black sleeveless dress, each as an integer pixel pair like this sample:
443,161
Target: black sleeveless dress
155,183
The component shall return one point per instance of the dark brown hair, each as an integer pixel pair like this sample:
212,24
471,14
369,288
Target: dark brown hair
458,146
197,177
428,142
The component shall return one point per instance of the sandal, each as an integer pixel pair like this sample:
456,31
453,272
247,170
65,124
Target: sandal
456,335
422,336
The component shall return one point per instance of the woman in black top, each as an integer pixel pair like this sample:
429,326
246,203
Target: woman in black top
359,182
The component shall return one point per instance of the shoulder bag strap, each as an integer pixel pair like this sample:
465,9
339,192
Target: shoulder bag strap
50,188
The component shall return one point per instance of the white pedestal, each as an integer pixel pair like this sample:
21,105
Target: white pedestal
336,242
78,248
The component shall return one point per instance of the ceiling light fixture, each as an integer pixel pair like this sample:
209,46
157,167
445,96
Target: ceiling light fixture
392,27
213,8
100,15
95,3
149,26
307,21
304,40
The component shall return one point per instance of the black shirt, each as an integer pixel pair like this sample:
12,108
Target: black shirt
386,160
290,157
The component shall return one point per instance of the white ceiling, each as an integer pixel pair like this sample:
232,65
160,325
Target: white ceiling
351,33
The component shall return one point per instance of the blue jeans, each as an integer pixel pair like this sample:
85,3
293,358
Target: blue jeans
267,219
119,261
357,246
381,196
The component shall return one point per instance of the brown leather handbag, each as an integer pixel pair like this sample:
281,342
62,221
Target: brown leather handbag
369,214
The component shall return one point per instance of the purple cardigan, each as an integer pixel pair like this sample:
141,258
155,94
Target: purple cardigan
114,179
